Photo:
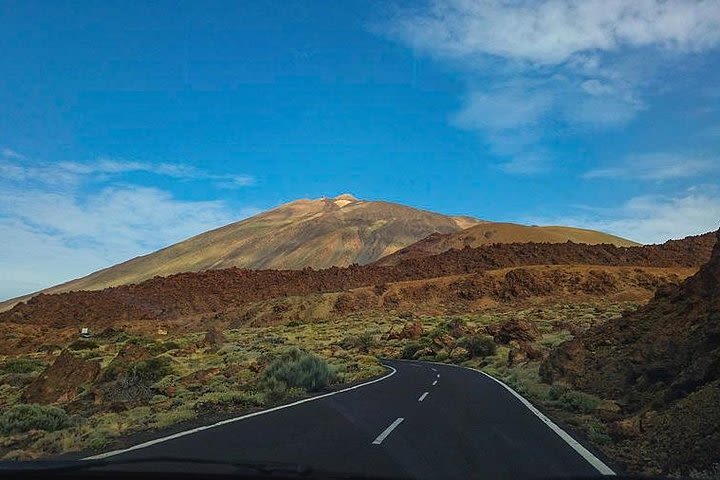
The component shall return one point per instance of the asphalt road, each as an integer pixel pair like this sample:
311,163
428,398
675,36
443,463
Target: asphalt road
456,423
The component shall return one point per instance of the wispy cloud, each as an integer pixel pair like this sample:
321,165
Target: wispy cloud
649,218
177,171
530,64
657,166
9,153
60,221
528,164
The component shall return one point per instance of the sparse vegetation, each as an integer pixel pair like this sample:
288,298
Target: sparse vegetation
479,345
260,366
22,418
149,371
21,365
572,400
362,342
82,344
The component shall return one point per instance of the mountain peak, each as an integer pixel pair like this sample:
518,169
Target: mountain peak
346,196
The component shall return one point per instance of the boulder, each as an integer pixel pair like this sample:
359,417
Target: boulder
61,381
567,362
516,329
627,428
522,352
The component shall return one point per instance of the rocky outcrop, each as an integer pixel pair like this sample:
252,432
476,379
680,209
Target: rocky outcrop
410,330
663,363
514,330
62,381
129,353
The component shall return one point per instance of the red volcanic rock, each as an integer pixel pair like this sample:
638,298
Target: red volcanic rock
60,382
186,294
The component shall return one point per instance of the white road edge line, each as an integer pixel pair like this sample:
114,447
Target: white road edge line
584,452
422,397
237,419
599,465
435,382
387,431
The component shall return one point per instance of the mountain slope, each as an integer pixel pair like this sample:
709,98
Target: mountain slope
662,364
316,233
486,233
321,233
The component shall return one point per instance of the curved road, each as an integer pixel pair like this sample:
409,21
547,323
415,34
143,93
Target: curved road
425,420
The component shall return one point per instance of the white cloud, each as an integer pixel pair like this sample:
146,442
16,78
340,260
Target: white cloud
61,221
536,66
657,166
649,219
550,32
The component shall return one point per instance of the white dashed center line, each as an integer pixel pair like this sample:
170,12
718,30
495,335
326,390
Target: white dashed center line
438,375
387,431
422,397
435,382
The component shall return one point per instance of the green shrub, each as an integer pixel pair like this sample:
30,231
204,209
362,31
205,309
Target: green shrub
363,342
165,419
410,349
22,418
21,365
151,370
296,368
82,344
478,345
440,356
597,432
97,440
571,400
557,390
214,400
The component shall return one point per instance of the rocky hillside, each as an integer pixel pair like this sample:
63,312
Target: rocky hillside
218,291
662,365
487,233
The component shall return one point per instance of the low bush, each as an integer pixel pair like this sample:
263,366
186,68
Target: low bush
214,400
82,344
597,432
21,365
299,369
151,370
571,400
363,342
478,345
165,419
22,418
557,390
409,350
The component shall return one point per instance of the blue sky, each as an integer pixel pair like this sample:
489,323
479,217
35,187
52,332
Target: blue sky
126,127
